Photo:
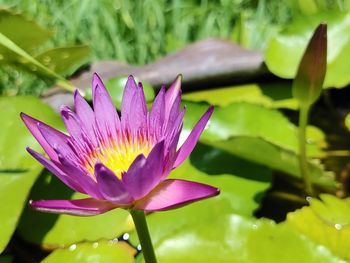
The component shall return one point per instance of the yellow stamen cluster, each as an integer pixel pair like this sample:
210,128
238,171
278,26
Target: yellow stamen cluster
118,157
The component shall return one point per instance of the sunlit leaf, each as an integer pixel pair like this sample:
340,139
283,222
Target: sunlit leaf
102,252
210,232
242,128
18,169
53,230
27,61
266,153
275,95
27,34
65,60
242,183
326,222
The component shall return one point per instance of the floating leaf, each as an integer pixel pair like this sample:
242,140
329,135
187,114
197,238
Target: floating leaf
266,153
18,169
65,60
326,222
102,252
242,183
284,51
242,128
27,34
274,95
52,230
25,60
245,119
209,232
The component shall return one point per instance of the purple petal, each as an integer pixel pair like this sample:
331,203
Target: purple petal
172,194
110,186
192,139
144,174
32,125
86,115
54,138
73,125
81,207
58,172
157,115
106,115
173,115
138,111
79,175
129,91
172,93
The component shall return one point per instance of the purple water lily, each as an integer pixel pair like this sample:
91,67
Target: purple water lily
120,161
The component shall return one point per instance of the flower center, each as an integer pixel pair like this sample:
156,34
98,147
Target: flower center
117,157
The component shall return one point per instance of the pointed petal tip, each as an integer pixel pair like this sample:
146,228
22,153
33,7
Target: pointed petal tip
131,77
23,115
64,110
179,77
76,93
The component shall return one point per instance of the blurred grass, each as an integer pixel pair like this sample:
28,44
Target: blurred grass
135,32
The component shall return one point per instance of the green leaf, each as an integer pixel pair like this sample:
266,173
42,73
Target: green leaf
285,50
274,95
18,169
115,87
25,60
52,230
242,128
326,222
307,85
347,121
14,188
14,136
101,252
65,60
27,34
275,157
242,184
244,119
210,232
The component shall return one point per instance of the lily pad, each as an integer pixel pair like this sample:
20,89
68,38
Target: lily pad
246,119
65,60
18,169
210,232
326,222
285,50
274,95
242,184
275,157
101,252
242,128
26,33
53,230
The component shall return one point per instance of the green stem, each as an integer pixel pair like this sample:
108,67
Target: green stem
143,234
303,119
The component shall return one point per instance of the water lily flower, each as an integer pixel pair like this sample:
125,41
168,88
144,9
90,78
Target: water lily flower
120,161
